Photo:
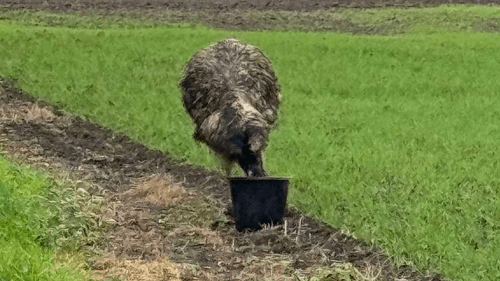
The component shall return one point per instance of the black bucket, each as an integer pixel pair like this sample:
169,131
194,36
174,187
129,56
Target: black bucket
258,201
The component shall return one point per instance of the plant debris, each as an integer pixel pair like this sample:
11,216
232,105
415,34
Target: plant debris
172,220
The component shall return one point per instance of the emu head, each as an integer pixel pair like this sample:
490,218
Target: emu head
251,163
250,159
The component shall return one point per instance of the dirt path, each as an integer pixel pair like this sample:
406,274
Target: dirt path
195,227
225,5
172,212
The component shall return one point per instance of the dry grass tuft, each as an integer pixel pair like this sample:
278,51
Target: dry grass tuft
27,112
370,272
204,236
199,211
343,271
36,113
272,267
135,270
159,190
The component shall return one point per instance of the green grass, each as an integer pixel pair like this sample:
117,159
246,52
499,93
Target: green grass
393,138
38,217
91,20
431,19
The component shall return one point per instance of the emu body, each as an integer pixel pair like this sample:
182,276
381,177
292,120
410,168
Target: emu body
232,94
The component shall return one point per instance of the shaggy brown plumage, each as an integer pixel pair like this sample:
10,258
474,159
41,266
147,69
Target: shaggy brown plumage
232,94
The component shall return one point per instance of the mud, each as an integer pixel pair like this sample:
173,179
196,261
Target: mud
225,5
197,228
304,15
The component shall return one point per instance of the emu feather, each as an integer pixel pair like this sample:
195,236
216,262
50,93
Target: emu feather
232,94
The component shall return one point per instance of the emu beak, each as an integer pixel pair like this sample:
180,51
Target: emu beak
255,173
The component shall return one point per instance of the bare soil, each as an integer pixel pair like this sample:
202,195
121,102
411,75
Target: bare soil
225,5
167,213
305,15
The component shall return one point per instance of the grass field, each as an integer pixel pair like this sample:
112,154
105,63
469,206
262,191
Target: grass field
42,224
393,138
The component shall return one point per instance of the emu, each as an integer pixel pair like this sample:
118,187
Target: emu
232,94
